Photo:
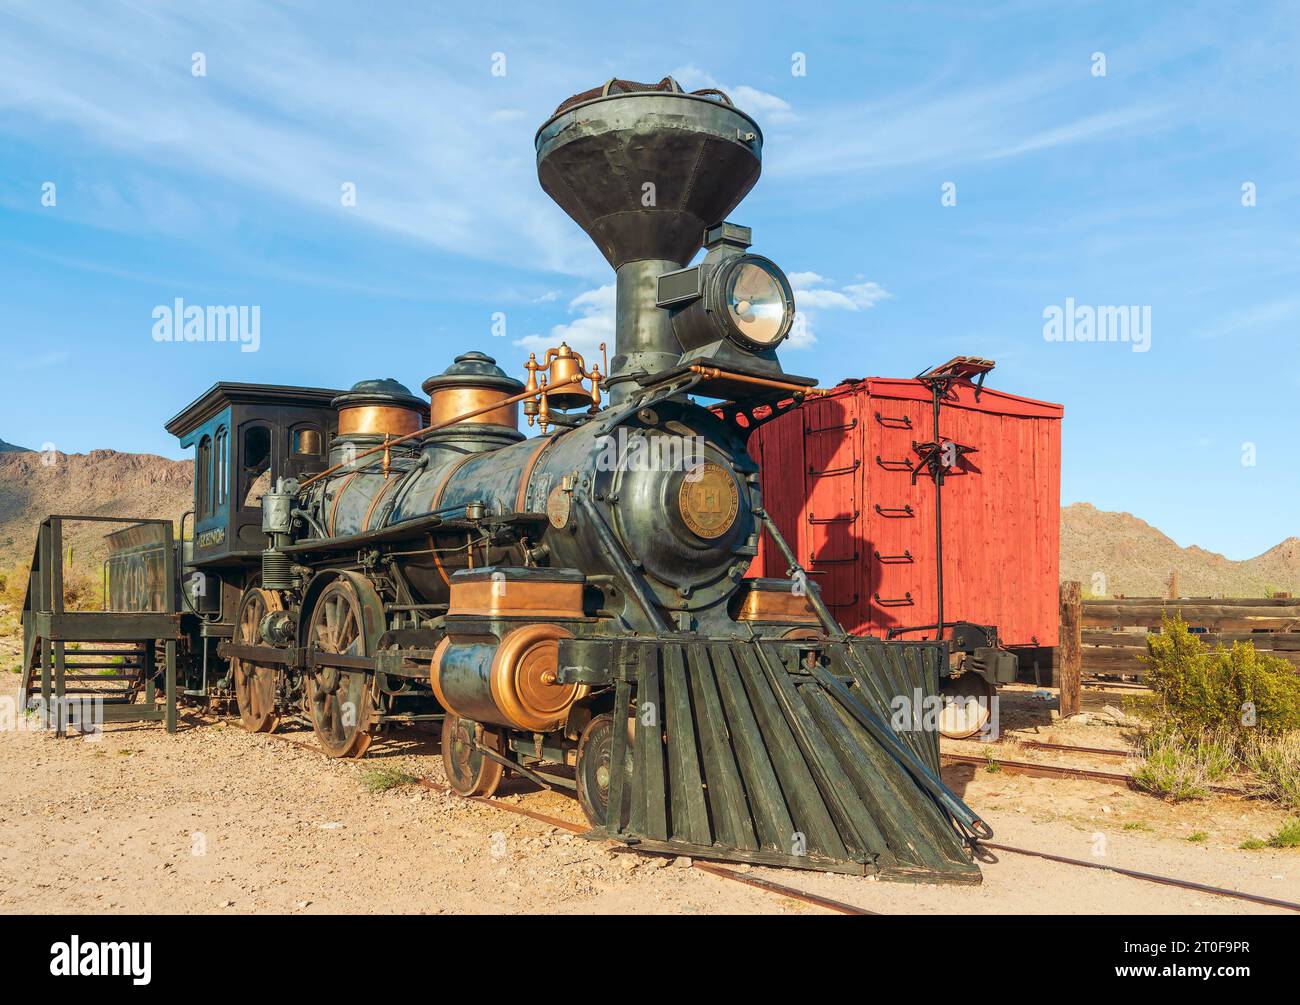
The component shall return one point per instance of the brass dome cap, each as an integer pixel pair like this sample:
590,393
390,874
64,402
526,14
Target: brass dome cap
378,392
474,369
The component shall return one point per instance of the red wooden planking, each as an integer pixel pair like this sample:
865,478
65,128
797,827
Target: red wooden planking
1001,510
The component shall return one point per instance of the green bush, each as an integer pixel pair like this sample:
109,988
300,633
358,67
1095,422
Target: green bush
1238,689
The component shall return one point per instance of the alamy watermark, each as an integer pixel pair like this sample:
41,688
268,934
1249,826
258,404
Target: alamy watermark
627,452
83,714
179,322
921,712
1084,323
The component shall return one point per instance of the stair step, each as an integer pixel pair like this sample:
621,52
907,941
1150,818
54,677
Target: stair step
129,651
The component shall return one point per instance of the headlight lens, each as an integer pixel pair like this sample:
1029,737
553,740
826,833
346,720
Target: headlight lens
757,303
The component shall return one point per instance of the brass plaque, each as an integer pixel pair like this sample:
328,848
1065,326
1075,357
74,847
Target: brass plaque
709,500
557,507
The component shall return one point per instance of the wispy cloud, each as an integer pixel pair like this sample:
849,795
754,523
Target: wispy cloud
814,293
944,122
760,104
41,360
593,325
281,112
1267,315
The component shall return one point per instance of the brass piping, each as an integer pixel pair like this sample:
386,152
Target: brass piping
713,372
577,378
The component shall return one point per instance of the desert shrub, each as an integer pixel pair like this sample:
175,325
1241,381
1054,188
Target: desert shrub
13,586
383,779
1180,766
1276,763
82,592
1286,837
1212,689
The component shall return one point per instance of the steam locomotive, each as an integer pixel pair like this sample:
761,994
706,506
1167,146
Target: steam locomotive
573,606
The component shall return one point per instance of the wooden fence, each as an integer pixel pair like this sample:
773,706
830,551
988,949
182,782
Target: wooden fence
1114,632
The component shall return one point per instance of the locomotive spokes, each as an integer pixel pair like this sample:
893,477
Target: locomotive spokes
340,701
595,771
469,771
256,686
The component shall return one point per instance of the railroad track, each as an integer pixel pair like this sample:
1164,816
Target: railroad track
1036,770
573,827
1114,685
840,907
1069,749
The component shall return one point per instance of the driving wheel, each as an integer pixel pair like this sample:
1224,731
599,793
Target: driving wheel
257,685
340,701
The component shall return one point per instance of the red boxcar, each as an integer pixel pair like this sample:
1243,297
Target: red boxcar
838,479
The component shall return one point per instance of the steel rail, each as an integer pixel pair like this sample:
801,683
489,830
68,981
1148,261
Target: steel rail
1014,741
1067,748
1060,771
1149,877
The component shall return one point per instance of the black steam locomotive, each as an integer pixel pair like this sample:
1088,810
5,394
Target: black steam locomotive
573,605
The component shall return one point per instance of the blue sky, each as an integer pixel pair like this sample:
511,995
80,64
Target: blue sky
1122,189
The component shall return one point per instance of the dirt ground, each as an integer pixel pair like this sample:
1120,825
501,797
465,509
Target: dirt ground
216,820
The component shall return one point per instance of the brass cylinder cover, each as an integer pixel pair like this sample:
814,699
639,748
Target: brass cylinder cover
495,593
514,683
774,600
524,684
377,419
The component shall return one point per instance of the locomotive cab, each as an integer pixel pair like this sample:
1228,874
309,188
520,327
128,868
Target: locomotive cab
246,437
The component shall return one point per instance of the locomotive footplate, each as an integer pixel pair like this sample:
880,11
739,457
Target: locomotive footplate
412,663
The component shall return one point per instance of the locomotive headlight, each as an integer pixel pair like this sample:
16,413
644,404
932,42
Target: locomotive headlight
732,296
757,300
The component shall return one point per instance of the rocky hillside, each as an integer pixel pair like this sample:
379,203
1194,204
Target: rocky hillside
12,448
1136,560
102,483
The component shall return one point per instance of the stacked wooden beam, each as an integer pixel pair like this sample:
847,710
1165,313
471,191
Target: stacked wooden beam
1115,631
